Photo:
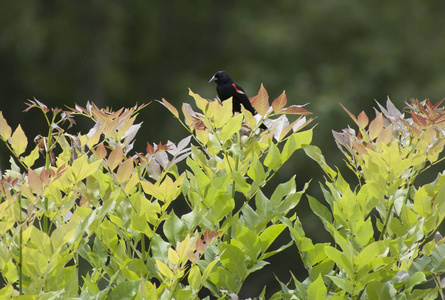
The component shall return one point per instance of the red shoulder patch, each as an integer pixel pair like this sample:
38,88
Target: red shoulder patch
237,89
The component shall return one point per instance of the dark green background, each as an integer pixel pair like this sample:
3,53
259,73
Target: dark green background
117,53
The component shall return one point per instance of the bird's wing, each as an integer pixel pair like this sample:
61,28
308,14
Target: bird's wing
242,97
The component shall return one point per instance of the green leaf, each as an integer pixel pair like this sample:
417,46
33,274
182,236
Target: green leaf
232,127
343,283
240,183
320,210
438,259
415,279
295,142
365,233
159,248
224,279
174,229
32,157
377,290
124,290
249,240
317,290
139,224
340,259
209,269
269,235
221,207
264,207
233,259
195,278
282,190
256,170
273,157
315,153
81,169
321,269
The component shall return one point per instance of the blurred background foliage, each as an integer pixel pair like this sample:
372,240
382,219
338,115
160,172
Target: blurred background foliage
122,52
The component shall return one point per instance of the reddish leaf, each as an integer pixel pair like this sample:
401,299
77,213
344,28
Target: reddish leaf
375,127
385,136
363,120
295,109
261,101
101,151
188,114
199,245
143,158
150,150
350,114
280,102
359,148
44,176
217,233
34,181
125,170
170,107
115,158
438,103
207,236
36,103
419,120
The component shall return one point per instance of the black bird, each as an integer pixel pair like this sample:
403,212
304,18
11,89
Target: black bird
226,88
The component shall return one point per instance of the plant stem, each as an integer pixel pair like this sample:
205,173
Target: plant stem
20,246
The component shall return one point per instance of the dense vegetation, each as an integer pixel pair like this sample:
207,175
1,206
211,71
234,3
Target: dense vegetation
90,199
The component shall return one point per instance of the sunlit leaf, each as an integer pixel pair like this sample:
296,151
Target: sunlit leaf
363,120
295,109
125,170
232,127
295,142
279,102
164,269
34,181
195,278
376,127
233,259
32,157
5,130
19,141
261,101
115,158
317,290
170,107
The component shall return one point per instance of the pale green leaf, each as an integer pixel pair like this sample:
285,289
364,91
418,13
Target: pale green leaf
377,290
269,235
19,141
232,127
295,142
195,278
273,157
233,259
5,130
317,290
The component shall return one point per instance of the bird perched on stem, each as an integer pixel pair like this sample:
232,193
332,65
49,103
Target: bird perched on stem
226,88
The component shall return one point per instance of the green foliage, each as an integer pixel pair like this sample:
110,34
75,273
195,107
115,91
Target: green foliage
382,230
83,199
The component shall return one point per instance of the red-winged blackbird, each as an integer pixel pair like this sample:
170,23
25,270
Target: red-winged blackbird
226,88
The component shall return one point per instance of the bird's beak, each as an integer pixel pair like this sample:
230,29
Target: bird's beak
212,79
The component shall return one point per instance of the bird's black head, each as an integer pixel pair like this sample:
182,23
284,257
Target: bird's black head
221,77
